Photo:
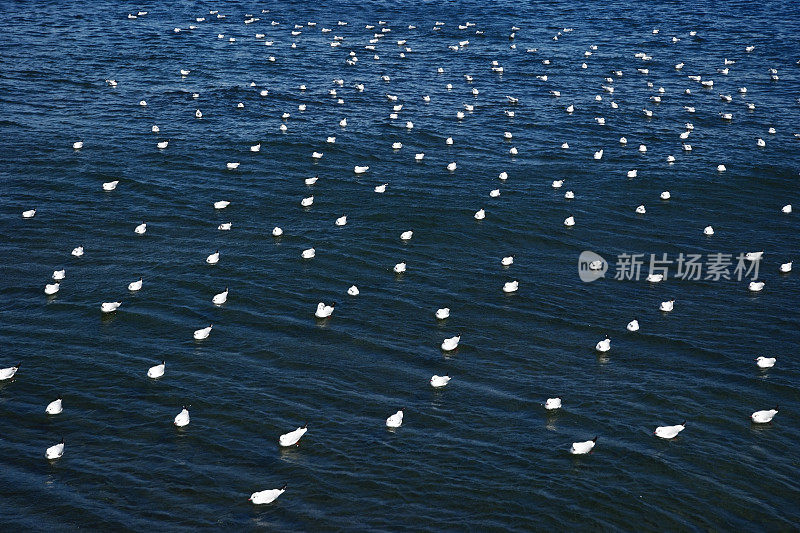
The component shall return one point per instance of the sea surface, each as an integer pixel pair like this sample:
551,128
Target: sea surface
481,454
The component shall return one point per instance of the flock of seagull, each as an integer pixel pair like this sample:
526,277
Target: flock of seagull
326,310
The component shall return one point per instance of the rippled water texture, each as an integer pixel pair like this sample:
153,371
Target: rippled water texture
482,453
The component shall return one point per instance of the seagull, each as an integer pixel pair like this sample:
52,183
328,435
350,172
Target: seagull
341,221
109,307
396,420
598,154
581,448
633,325
451,343
503,176
55,451
786,209
221,204
225,226
51,288
756,286
360,169
655,278
110,185
308,253
785,267
480,214
140,229
293,437
77,252
507,261
381,188
510,286
182,418
232,166
494,193
306,202
552,403
765,416
77,145
667,306
353,291
58,275
203,333
29,213
162,144
55,407
266,496
669,432
220,298
213,259
641,210
399,268
439,381
765,362
324,311
753,256
8,373
135,285
451,166
569,221
155,372
604,345
198,113
442,313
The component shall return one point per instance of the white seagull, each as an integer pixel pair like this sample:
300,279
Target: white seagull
293,437
581,448
182,418
669,432
155,372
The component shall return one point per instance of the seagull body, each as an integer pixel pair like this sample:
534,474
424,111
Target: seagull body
51,288
633,325
203,333
78,251
29,213
451,343
225,226
55,451
220,298
442,313
266,496
324,311
396,420
765,416
785,267
552,403
293,437
221,204
510,286
756,286
753,256
306,202
669,432
507,261
308,253
399,268
182,419
604,345
141,229
381,188
353,291
439,381
155,372
480,214
8,373
58,275
765,362
277,232
135,285
341,221
213,259
109,307
360,169
581,448
110,185
55,407
667,306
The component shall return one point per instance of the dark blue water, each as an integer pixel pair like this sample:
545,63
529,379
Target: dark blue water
481,453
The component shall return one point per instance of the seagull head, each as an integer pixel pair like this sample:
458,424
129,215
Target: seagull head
594,439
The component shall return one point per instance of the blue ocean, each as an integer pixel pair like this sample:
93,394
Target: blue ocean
484,91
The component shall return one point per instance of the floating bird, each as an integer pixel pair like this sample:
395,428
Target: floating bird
581,448
58,275
163,144
507,261
451,343
406,235
494,193
552,404
669,432
29,213
341,221
765,416
765,362
277,232
754,256
786,267
569,221
306,202
360,169
220,298
308,253
109,307
157,371
633,325
135,285
641,210
55,452
667,306
353,291
708,230
266,496
213,259
8,373
182,419
480,214
655,278
77,145
293,437
141,229
510,286
110,185
55,407
396,420
324,311
225,226
756,286
604,345
232,166
439,381
203,333
381,188
442,313
786,209
51,288
399,268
